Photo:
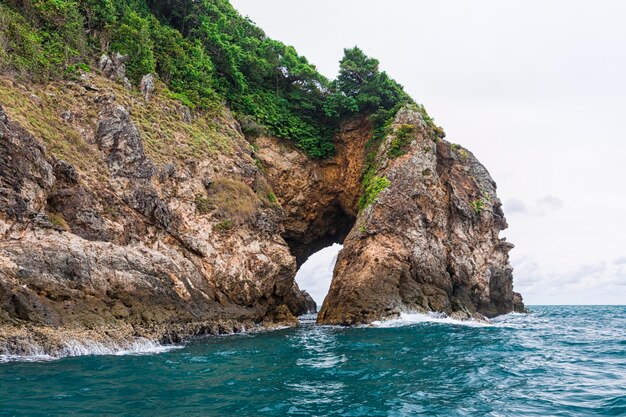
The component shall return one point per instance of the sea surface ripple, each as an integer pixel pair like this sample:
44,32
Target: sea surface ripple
557,361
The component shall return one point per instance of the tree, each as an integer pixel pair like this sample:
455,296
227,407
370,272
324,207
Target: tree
362,88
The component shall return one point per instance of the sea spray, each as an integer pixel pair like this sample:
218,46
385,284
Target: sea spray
77,347
408,319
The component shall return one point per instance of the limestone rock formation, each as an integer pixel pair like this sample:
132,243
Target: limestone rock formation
127,219
430,240
103,249
114,67
319,197
147,86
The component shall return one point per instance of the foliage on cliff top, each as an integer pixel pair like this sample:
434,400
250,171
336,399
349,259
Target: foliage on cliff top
206,53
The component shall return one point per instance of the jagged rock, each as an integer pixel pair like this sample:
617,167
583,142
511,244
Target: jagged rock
64,171
147,86
114,67
25,174
518,303
92,246
300,302
319,197
118,137
146,200
109,260
430,240
81,210
167,171
281,316
428,243
185,114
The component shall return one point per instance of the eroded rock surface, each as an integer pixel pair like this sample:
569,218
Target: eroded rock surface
429,242
319,197
123,253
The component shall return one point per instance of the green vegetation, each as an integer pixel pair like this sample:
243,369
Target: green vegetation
58,221
203,204
232,200
224,225
461,153
206,53
371,189
271,197
402,137
477,205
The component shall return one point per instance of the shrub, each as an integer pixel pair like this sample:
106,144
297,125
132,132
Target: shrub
232,199
58,221
133,38
477,205
371,190
403,136
224,225
251,128
203,204
207,54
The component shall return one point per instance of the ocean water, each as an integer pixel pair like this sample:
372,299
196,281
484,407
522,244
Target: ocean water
558,361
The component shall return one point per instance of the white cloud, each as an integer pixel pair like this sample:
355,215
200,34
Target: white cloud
515,206
549,203
620,261
543,206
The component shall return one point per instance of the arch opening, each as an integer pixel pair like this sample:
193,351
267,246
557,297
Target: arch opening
315,243
316,273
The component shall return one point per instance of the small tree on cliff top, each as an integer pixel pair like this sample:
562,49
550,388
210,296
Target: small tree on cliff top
362,88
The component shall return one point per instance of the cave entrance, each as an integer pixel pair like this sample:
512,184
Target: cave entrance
316,273
307,236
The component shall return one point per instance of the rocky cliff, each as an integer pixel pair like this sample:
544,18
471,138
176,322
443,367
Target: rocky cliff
427,241
124,217
113,230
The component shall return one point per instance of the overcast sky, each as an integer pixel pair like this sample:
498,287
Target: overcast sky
535,89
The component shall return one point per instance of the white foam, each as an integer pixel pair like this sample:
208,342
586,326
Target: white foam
138,346
408,319
26,358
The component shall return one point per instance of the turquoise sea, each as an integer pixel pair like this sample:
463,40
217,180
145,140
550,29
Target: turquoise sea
557,361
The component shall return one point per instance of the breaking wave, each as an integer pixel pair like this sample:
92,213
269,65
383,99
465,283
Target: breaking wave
410,319
139,346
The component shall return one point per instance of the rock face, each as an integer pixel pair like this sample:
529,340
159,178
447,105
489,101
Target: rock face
123,219
429,242
319,197
135,249
114,67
